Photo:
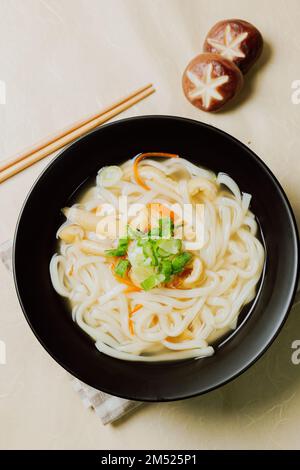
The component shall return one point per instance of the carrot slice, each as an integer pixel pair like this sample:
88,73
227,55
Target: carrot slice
136,308
122,280
131,327
131,287
141,157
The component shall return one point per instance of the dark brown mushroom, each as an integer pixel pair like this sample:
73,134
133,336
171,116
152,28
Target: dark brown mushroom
210,81
235,40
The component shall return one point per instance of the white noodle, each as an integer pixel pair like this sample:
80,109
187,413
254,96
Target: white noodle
171,323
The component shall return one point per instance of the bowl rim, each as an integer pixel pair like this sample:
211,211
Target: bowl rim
290,294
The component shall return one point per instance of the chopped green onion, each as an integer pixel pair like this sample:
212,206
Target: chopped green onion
171,246
166,227
165,268
121,249
179,262
139,272
109,176
162,253
122,267
149,253
135,234
154,233
152,281
142,241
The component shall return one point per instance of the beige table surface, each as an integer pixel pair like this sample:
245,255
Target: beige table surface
64,59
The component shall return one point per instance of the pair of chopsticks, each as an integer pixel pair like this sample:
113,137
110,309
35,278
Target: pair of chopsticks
14,165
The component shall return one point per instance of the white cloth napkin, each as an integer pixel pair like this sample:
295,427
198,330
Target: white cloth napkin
107,407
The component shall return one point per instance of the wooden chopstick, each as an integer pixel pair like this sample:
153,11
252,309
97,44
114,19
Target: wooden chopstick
70,129
22,161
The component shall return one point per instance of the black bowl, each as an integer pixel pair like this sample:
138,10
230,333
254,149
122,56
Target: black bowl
34,245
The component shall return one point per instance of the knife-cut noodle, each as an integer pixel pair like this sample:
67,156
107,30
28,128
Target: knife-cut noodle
144,296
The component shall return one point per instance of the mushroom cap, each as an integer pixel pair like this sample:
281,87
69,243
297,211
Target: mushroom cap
235,40
210,81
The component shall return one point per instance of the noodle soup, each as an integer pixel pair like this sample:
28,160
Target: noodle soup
167,276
